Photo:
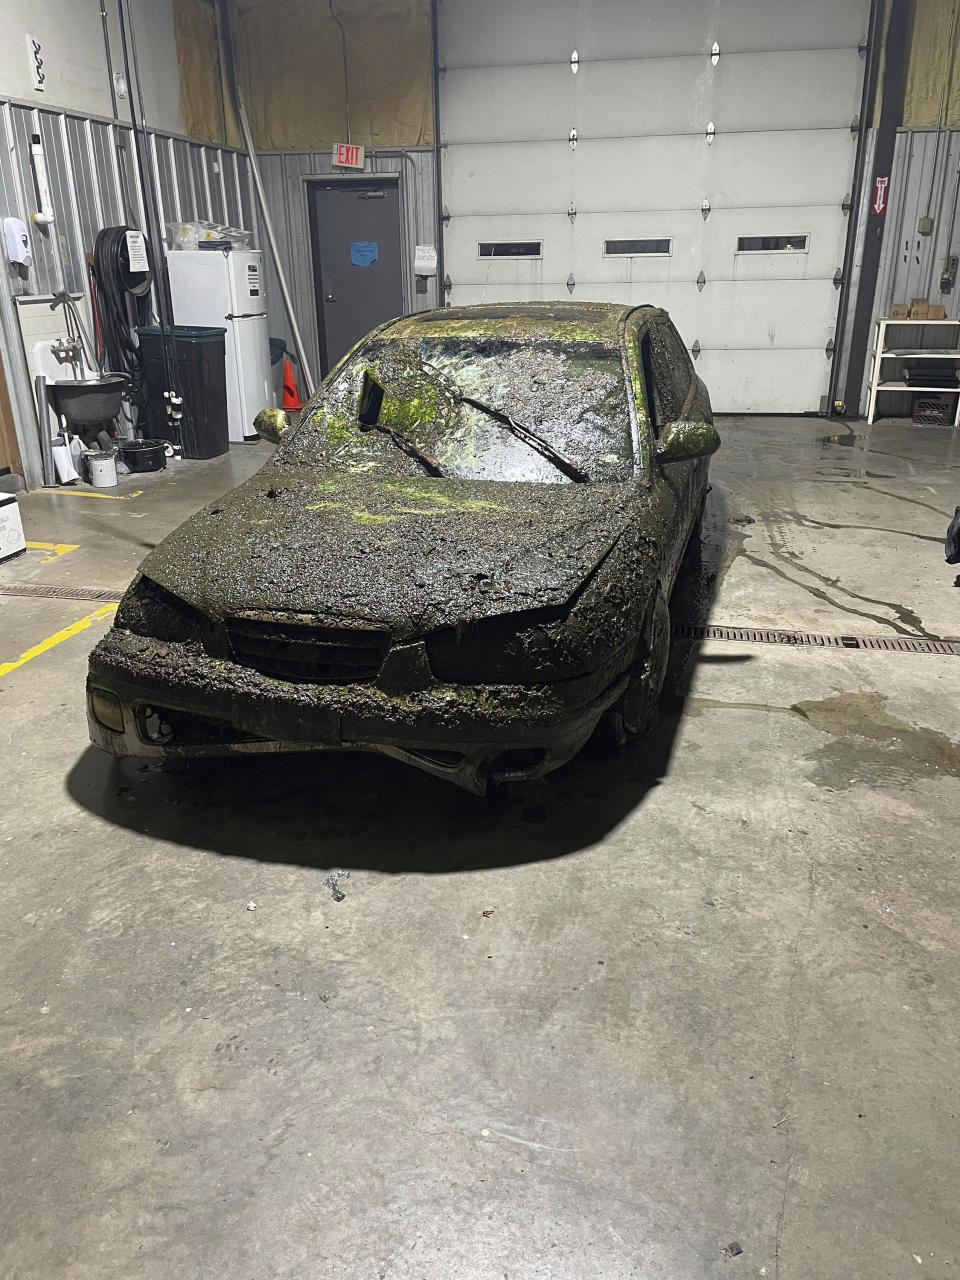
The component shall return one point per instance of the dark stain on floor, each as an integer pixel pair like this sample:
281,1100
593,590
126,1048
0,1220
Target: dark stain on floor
873,746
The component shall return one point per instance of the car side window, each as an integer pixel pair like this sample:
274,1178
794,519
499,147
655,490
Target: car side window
654,405
671,372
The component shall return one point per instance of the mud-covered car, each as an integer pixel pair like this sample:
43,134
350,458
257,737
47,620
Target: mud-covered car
461,556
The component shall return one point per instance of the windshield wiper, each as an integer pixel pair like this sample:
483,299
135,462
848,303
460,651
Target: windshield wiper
531,438
518,429
368,418
430,465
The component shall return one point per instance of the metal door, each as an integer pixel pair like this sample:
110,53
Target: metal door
694,155
355,230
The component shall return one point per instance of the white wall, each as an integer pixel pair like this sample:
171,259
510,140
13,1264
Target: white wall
71,35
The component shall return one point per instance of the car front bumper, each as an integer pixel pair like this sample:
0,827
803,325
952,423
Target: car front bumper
174,701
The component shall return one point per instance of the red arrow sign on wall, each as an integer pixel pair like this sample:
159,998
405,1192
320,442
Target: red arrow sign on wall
880,187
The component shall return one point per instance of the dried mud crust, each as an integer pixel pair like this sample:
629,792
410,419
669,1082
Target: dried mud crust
183,675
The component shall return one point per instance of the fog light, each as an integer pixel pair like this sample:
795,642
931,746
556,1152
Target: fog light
155,728
107,709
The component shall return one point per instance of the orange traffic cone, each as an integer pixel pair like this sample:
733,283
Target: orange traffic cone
291,396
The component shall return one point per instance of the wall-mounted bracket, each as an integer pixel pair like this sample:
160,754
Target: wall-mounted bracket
573,139
701,281
695,349
572,212
705,208
574,62
715,53
837,278
571,282
711,131
828,349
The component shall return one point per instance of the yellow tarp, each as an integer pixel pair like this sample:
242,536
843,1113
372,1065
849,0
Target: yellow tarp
312,72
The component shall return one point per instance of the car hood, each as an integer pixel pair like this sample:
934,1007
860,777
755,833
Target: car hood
412,554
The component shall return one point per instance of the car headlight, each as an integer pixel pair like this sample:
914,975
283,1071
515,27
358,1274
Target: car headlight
147,609
597,629
535,648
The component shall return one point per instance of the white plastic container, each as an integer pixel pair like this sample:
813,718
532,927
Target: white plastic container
11,527
103,470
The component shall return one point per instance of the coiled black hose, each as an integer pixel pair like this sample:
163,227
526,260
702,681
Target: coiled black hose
123,298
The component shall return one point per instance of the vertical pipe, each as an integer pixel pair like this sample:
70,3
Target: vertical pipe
109,58
437,176
272,241
46,445
72,198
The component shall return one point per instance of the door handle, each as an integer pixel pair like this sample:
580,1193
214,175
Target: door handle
329,297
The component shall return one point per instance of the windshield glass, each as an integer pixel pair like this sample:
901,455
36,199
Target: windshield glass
571,394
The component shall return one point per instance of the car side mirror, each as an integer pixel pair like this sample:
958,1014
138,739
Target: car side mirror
684,441
271,424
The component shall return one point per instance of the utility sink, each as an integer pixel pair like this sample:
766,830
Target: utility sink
88,400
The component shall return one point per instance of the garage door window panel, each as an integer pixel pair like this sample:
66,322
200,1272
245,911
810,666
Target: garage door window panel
773,244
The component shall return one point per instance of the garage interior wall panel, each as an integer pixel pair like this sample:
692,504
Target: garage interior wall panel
94,183
923,178
781,97
285,177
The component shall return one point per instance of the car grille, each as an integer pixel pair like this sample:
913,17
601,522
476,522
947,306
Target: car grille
302,649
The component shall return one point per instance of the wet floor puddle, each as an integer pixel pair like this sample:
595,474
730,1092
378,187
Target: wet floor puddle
869,744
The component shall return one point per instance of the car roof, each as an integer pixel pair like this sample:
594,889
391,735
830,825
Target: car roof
583,321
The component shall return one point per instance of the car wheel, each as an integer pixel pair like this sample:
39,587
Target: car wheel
636,711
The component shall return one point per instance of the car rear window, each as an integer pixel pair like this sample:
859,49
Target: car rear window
572,394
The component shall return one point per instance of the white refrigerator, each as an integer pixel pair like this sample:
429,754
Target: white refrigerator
225,289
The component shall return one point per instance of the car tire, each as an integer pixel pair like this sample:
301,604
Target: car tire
636,712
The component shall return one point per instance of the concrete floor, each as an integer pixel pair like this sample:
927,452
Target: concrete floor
715,1000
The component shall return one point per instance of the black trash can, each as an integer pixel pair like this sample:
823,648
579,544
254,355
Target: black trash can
201,362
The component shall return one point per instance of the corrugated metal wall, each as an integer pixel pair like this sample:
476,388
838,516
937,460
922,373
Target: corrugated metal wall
94,183
924,178
285,178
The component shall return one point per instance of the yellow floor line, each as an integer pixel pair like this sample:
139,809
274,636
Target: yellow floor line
92,493
58,637
55,548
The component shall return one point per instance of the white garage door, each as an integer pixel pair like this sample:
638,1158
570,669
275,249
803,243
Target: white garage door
581,139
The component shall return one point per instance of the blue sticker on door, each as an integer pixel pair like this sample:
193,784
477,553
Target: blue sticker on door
363,253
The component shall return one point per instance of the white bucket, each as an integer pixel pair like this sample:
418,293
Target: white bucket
103,470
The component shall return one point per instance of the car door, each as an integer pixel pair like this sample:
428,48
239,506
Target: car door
673,394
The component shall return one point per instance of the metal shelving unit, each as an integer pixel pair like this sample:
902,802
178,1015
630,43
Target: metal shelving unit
883,352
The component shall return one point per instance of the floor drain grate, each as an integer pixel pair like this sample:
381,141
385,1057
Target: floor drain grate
57,593
756,635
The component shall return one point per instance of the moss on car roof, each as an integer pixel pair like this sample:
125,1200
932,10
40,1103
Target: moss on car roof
566,321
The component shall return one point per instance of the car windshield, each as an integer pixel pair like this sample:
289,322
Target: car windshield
459,401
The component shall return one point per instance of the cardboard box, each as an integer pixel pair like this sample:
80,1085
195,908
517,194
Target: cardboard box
936,312
919,309
900,311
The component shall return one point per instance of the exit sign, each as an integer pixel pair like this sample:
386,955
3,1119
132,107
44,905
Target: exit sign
348,156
